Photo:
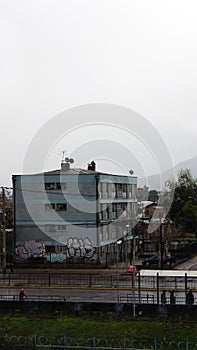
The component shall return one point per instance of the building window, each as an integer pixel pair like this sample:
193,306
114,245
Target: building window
61,207
49,186
56,207
61,227
58,185
49,228
49,206
54,228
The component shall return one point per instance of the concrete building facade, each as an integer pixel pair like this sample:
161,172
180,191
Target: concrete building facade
70,214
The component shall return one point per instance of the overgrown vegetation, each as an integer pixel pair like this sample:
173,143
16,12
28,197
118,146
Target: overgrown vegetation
183,211
82,328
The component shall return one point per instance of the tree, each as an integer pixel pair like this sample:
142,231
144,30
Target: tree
183,210
6,209
153,196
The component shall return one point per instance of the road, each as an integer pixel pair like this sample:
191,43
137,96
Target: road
98,294
69,295
188,265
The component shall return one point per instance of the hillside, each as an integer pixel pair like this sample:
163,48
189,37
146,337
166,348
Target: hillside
157,181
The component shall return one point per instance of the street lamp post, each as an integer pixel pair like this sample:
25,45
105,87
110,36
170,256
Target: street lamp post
3,232
97,222
117,268
161,243
126,247
133,275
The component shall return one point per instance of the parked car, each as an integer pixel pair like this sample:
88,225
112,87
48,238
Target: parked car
169,260
153,260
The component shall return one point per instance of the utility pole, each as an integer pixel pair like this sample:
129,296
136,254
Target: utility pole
97,222
133,275
161,243
126,246
3,232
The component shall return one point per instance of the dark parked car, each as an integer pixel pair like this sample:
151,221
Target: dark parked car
153,260
169,260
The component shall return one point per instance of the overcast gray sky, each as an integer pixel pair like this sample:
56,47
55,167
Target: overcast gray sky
59,54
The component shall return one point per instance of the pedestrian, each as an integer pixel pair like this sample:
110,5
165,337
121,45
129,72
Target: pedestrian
172,298
189,297
163,297
22,295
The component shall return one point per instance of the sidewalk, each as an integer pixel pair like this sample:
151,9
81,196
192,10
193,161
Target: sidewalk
111,269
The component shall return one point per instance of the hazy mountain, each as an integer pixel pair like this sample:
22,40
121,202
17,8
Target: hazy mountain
157,181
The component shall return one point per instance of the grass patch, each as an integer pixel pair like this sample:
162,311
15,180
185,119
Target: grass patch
82,328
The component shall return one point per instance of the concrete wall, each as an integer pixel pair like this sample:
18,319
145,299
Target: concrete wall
101,310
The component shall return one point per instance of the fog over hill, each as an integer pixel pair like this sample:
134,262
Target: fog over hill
157,181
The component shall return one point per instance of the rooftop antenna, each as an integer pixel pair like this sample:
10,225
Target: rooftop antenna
62,153
65,164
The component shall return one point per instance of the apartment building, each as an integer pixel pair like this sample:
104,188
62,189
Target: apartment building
70,214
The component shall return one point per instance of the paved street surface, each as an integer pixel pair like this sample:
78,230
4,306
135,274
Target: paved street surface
93,295
188,265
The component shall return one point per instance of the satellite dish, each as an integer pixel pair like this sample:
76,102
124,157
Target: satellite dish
71,160
131,172
67,159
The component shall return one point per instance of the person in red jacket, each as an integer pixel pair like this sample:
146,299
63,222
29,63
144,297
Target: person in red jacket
22,295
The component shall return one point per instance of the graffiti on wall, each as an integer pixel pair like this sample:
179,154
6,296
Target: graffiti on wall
28,249
79,249
56,257
75,251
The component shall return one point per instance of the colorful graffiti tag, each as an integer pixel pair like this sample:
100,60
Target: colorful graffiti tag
75,251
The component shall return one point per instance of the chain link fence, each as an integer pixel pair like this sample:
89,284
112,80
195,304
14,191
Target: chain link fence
63,342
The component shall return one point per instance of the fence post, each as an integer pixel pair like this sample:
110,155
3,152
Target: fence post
185,285
49,281
139,287
94,343
155,344
64,341
90,280
124,343
147,296
34,340
157,288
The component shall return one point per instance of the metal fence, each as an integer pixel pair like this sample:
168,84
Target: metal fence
142,298
114,287
97,280
63,342
46,279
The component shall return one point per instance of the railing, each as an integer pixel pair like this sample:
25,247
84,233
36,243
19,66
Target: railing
63,342
95,280
108,287
15,297
145,298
